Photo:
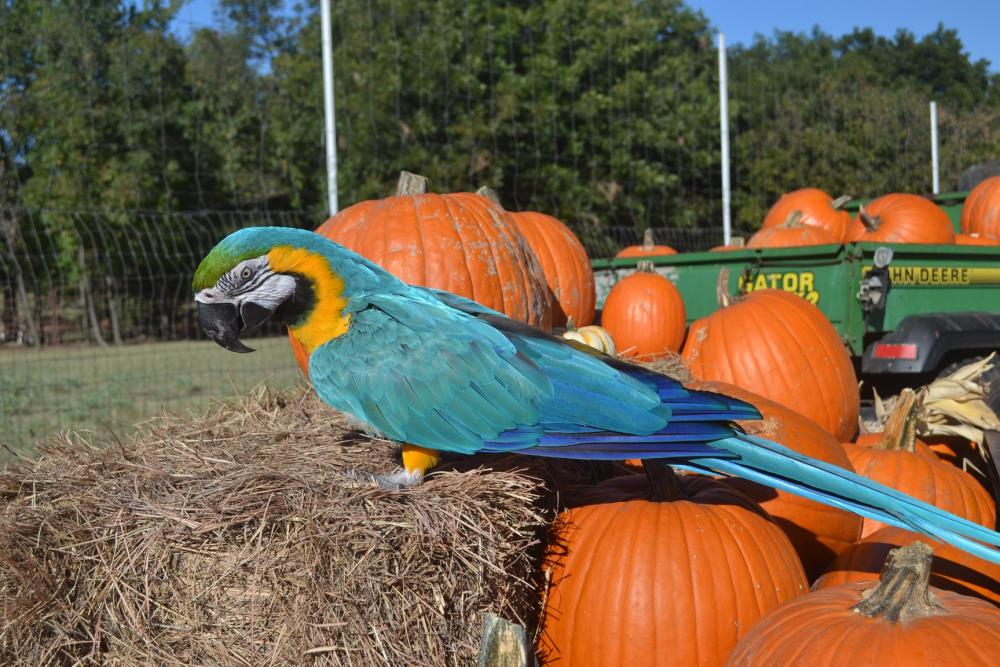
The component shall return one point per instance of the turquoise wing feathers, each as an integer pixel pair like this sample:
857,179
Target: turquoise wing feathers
419,370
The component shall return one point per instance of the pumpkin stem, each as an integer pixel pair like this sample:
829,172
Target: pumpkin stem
839,202
793,220
871,223
489,193
900,432
411,184
645,266
902,592
722,295
569,324
738,242
663,483
647,239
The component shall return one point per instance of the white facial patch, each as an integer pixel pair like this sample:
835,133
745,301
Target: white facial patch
250,280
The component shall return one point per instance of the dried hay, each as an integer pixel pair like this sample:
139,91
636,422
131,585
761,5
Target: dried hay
239,539
671,364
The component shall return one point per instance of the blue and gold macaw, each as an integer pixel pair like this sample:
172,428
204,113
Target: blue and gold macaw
442,373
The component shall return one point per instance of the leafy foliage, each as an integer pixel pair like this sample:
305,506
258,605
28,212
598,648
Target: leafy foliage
600,113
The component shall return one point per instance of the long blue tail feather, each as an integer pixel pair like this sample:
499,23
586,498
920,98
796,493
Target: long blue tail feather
837,483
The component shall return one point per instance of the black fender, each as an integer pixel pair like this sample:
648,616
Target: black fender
925,340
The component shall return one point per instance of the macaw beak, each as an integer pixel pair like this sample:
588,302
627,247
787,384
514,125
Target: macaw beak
225,323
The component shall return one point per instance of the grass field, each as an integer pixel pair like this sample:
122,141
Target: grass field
110,390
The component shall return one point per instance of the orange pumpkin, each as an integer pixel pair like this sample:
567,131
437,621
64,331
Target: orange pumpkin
962,453
902,218
898,621
564,262
780,346
817,531
976,239
981,211
670,577
462,242
897,459
644,314
813,208
647,249
300,353
735,243
954,569
790,234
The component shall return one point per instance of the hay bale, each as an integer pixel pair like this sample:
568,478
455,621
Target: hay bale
239,538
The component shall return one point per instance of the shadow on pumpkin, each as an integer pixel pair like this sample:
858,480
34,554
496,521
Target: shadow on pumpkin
952,569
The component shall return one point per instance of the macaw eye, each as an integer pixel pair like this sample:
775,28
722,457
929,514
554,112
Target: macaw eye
246,273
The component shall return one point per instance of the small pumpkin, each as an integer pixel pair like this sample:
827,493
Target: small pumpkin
981,210
813,208
591,335
902,218
564,262
817,531
790,234
954,569
780,346
735,243
897,459
644,314
668,572
648,248
898,621
976,239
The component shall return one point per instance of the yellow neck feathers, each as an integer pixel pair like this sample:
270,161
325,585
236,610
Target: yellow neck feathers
327,319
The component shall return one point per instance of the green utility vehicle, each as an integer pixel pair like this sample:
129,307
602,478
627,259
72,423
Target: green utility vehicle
906,312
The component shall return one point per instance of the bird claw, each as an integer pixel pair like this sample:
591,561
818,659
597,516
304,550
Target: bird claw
396,481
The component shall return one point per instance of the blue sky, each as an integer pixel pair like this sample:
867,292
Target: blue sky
977,21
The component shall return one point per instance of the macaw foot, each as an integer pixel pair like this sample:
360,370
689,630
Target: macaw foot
396,481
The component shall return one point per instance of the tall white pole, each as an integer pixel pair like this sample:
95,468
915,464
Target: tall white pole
934,149
331,125
727,224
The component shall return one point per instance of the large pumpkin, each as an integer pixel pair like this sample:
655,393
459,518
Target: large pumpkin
782,347
817,531
647,248
981,211
897,459
898,621
812,207
644,314
954,569
564,262
672,577
790,234
462,242
902,218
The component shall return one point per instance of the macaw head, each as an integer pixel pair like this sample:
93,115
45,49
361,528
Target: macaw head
289,275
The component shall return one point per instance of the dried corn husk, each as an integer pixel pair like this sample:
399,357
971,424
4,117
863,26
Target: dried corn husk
950,405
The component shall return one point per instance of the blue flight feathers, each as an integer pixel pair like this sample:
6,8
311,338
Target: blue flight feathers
437,370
